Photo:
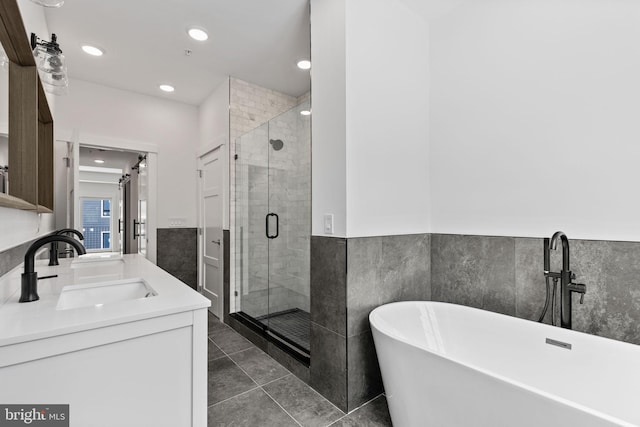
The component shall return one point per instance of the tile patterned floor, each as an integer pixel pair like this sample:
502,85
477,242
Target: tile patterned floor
249,388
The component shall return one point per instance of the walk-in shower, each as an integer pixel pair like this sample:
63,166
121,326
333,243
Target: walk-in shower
273,227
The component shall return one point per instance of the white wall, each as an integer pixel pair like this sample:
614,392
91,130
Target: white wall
172,126
387,130
16,226
328,132
213,116
370,131
534,118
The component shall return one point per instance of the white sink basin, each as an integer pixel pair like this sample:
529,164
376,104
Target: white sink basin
99,294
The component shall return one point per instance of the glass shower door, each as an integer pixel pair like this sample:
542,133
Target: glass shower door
289,205
273,227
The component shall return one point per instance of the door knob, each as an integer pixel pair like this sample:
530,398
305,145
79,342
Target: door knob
217,242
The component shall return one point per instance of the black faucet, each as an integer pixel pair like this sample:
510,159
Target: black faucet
30,276
53,250
566,278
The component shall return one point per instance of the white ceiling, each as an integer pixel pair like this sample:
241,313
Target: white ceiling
112,158
144,42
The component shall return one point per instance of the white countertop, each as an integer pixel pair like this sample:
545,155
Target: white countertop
21,322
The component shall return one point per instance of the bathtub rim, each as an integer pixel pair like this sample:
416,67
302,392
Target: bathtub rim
376,312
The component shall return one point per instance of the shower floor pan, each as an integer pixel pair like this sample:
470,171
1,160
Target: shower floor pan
288,329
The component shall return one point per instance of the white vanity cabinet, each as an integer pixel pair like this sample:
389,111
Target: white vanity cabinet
116,368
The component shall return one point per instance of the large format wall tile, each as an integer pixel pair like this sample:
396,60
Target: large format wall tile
364,281
178,253
329,283
328,369
611,272
385,269
11,258
364,380
476,271
530,282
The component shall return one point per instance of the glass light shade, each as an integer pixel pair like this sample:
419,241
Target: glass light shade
49,3
49,62
55,90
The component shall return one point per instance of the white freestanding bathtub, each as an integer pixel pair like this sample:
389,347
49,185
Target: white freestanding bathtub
448,365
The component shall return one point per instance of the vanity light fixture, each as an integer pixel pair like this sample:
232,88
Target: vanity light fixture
304,64
49,3
305,112
92,50
167,88
51,64
197,34
99,161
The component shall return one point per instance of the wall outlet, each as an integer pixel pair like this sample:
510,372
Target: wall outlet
328,223
177,222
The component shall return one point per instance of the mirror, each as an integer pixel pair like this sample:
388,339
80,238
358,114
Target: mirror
4,122
4,164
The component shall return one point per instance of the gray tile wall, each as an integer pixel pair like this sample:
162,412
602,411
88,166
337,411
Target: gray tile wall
328,346
349,278
11,258
504,274
380,270
178,253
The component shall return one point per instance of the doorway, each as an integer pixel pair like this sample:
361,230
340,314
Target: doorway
118,180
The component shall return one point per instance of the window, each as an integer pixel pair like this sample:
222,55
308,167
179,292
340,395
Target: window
105,208
96,223
106,240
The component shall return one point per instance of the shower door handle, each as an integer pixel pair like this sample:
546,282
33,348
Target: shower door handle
269,236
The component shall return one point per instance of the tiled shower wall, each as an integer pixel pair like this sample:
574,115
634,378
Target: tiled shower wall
265,180
350,277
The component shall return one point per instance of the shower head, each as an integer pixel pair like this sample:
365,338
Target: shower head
277,144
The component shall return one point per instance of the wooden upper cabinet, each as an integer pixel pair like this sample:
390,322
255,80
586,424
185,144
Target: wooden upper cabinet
30,120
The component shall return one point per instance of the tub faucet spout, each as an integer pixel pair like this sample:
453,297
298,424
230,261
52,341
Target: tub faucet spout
566,278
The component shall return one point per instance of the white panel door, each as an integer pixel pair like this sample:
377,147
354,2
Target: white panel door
211,168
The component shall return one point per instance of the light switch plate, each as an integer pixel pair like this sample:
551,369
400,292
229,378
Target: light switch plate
328,223
177,222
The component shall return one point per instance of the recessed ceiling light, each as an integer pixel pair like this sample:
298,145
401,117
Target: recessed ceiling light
92,50
99,161
305,112
198,34
167,88
305,64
